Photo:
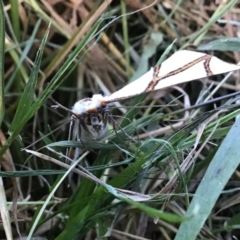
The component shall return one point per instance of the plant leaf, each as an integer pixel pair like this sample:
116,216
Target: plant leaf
222,167
224,44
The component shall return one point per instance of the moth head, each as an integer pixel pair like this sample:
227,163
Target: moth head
93,119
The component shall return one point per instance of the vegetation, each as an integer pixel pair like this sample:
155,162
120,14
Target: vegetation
169,168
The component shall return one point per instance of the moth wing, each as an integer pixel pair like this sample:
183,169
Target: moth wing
133,89
182,66
188,66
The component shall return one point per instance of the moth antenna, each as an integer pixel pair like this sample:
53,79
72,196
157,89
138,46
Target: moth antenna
58,105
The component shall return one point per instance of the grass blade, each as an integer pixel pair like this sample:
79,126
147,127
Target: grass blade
26,100
27,97
223,44
15,18
223,165
2,44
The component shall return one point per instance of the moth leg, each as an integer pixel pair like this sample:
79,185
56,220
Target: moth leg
114,127
70,137
105,119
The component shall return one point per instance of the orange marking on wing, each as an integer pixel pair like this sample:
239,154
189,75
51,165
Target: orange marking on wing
92,110
103,104
75,113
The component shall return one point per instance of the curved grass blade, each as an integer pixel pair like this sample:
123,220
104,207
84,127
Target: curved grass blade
223,44
27,97
223,164
23,56
2,45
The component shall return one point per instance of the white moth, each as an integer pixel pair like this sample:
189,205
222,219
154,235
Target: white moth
91,115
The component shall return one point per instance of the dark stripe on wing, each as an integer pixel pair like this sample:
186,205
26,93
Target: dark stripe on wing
207,67
151,86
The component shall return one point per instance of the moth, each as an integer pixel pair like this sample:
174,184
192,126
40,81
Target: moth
90,116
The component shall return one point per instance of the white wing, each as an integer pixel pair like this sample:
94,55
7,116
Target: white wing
182,66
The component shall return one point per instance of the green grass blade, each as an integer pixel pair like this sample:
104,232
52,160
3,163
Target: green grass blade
27,97
197,36
149,49
31,173
125,37
148,210
58,78
166,52
2,45
24,55
223,44
26,100
15,18
217,175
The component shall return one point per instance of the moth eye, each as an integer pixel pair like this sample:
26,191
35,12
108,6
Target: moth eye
87,121
100,117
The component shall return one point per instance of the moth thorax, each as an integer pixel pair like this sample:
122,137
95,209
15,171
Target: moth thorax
89,105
